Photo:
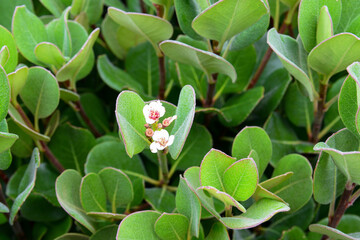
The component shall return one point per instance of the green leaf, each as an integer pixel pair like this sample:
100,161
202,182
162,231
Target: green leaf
71,145
253,139
68,95
68,193
344,48
299,109
128,228
28,31
160,199
345,158
193,153
186,11
93,10
239,107
56,7
6,140
241,179
224,197
297,190
325,26
294,233
4,94
3,208
73,236
185,113
218,231
92,193
208,62
293,56
348,99
17,81
118,187
213,167
330,232
172,226
71,69
115,77
4,55
49,54
188,204
131,122
258,213
44,103
16,117
26,185
228,18
7,10
349,16
113,154
6,39
45,182
150,27
108,232
309,12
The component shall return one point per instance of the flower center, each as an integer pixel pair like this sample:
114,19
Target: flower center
154,115
162,142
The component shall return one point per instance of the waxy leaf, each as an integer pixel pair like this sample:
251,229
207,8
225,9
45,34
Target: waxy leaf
218,231
6,39
309,12
297,190
258,213
26,185
131,120
4,93
172,226
335,54
7,11
325,26
128,228
349,99
3,208
49,54
188,204
6,141
68,194
160,199
346,161
72,68
213,167
185,113
44,103
153,28
294,233
329,182
208,62
107,216
68,95
4,55
28,32
17,81
241,179
293,56
226,198
92,193
253,139
118,187
108,232
228,18
55,7
330,232
73,236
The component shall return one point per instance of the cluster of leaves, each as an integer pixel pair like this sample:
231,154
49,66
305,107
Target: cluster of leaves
72,169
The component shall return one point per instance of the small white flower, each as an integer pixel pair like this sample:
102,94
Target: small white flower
161,140
153,111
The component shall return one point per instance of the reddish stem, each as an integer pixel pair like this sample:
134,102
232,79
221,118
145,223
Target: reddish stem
87,120
51,157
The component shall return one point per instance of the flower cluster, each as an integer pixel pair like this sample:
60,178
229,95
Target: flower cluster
159,137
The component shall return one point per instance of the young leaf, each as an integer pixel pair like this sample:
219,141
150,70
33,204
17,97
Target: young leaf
128,228
154,29
160,199
17,81
228,18
26,185
293,56
325,26
6,141
208,62
55,7
185,113
294,233
118,187
253,139
172,226
213,167
73,236
92,193
49,54
6,39
131,120
4,55
28,31
4,93
241,179
44,103
335,54
68,194
330,232
3,208
218,231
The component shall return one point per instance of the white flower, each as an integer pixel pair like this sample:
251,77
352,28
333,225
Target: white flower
153,111
161,140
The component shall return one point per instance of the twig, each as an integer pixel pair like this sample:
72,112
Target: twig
87,120
210,92
4,177
24,116
143,7
163,163
19,233
320,111
51,157
162,73
342,206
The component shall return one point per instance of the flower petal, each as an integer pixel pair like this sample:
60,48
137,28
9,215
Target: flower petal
161,110
153,147
171,140
164,134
